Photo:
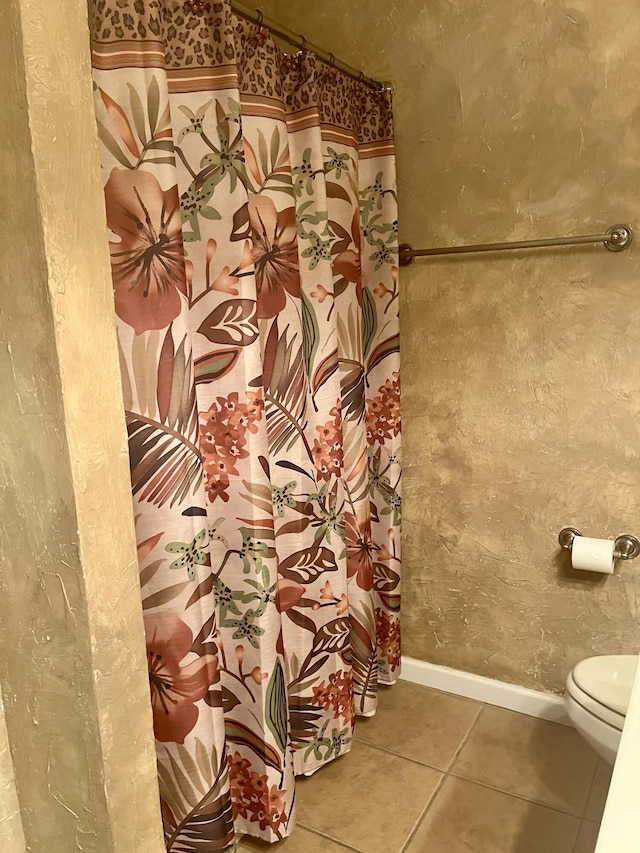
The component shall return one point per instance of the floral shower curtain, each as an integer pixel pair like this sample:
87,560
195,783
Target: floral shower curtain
252,220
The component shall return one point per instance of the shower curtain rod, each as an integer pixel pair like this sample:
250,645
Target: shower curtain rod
295,39
615,239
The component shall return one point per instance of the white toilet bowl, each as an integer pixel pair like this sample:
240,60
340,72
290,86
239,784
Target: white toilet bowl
597,697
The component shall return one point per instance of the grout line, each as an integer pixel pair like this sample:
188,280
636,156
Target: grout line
424,763
451,772
423,814
443,778
329,838
401,757
576,837
593,782
516,796
465,738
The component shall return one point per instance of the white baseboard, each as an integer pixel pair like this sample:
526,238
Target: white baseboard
546,706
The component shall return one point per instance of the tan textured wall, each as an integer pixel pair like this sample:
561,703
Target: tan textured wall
72,669
521,384
11,831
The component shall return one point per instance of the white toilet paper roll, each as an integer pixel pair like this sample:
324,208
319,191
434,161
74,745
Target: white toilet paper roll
593,555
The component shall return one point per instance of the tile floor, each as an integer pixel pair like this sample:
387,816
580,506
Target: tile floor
435,773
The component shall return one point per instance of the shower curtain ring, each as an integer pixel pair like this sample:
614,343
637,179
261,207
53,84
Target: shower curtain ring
332,60
260,17
303,44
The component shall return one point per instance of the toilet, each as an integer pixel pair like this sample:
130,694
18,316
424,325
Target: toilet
597,696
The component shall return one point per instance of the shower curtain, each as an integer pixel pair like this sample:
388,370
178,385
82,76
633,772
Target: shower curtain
252,218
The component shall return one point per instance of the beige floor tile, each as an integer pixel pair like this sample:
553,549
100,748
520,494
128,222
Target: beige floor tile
540,761
300,841
587,837
368,799
599,791
418,723
467,818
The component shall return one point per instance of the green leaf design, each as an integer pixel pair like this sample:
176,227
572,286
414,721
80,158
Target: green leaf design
283,178
112,146
369,320
181,412
127,391
183,781
162,144
163,596
276,705
137,112
153,104
262,152
217,364
203,760
166,161
210,212
275,145
311,334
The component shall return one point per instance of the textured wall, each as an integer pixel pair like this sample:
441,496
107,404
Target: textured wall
72,668
521,384
11,832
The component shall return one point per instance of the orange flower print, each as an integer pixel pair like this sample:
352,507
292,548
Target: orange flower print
223,438
275,254
320,293
252,796
336,696
147,261
388,637
342,605
327,447
327,594
175,688
383,412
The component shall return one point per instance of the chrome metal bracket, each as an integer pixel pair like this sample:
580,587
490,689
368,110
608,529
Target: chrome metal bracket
567,535
627,547
405,256
620,238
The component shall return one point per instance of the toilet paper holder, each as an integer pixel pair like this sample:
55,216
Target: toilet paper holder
627,546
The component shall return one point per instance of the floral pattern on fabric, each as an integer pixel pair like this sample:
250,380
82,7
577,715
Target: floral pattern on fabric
175,687
253,235
275,254
223,441
147,260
